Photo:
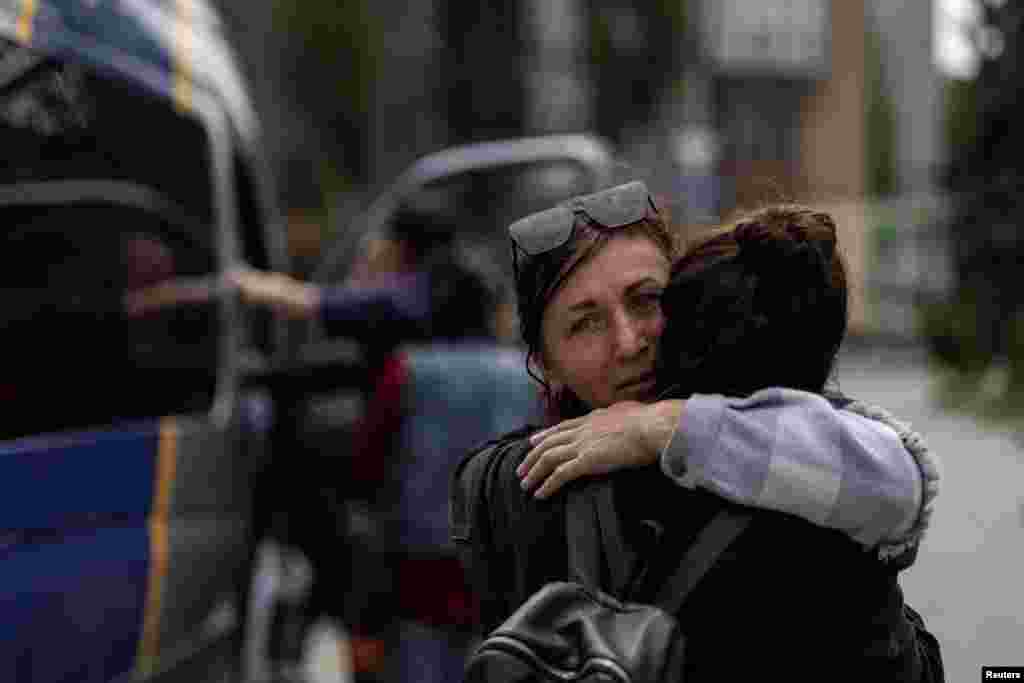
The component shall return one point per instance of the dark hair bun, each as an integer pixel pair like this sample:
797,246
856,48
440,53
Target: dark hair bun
780,238
761,305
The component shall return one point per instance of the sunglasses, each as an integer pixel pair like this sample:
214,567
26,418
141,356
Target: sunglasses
615,207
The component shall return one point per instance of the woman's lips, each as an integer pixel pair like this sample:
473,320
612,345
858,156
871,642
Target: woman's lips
641,382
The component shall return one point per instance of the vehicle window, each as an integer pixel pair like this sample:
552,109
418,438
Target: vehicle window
72,357
491,199
485,202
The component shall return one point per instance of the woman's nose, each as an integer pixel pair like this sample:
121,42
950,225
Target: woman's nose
631,337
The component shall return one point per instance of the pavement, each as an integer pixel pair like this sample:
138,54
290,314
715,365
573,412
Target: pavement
967,581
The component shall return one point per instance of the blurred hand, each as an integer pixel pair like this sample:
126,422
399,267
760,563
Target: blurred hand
627,434
282,294
171,293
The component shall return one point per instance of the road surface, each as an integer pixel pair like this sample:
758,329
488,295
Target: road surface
968,582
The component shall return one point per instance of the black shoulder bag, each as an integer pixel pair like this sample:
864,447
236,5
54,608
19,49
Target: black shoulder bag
573,631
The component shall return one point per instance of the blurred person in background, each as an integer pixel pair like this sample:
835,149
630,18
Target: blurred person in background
412,284
590,279
407,285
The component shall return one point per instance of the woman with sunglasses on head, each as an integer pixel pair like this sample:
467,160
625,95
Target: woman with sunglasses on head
741,315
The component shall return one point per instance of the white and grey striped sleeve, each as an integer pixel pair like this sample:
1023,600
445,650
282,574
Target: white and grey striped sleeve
854,469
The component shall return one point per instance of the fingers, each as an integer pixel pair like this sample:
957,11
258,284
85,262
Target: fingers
542,446
255,286
260,287
277,291
547,463
565,425
563,474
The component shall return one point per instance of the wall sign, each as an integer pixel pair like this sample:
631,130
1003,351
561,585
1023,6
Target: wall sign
782,38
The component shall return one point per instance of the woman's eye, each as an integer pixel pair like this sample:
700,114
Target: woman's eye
648,301
584,324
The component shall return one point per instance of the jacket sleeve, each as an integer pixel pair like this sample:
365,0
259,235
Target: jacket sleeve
478,531
388,312
855,469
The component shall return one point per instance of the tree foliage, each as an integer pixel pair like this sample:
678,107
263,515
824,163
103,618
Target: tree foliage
635,50
484,69
985,177
960,121
335,50
881,122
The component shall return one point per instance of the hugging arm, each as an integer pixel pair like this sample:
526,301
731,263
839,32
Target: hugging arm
855,469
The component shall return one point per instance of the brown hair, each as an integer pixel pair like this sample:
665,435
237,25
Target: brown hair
759,304
538,279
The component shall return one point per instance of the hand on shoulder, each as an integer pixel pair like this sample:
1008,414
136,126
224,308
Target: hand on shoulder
627,434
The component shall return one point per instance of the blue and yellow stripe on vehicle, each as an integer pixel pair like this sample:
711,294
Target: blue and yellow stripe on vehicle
118,544
159,546
26,19
73,510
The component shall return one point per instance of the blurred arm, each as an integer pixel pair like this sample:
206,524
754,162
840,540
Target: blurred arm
396,310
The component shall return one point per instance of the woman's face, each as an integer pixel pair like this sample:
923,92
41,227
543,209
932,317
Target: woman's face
600,331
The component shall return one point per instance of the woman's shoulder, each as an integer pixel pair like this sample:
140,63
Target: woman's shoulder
475,477
492,452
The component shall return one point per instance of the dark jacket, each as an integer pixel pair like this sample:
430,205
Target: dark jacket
787,598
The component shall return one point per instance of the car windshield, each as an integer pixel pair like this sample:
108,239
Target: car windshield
93,207
482,203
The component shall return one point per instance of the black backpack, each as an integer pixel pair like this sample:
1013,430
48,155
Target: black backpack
575,631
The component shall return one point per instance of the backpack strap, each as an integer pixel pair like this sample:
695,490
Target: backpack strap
599,557
712,540
595,540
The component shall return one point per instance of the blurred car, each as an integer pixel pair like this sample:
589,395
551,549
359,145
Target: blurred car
139,456
485,186
132,449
